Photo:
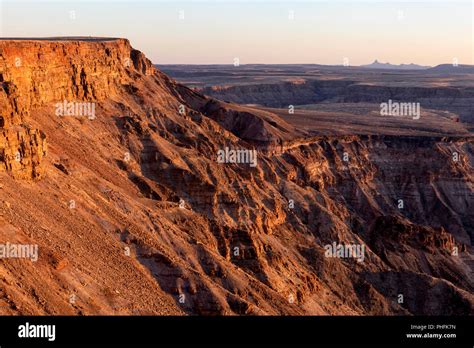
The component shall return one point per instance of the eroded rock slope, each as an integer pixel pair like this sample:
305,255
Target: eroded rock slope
134,214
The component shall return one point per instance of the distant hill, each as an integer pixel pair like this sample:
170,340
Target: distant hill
449,68
377,65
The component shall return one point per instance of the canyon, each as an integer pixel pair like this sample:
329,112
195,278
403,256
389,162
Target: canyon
133,214
446,88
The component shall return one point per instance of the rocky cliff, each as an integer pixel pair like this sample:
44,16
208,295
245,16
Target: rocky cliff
459,100
135,214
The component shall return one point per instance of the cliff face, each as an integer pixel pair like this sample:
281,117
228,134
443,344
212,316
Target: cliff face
21,152
38,73
457,100
135,214
49,71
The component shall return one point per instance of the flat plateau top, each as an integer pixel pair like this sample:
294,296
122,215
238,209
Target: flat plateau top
61,38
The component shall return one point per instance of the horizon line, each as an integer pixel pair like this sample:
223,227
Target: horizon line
92,38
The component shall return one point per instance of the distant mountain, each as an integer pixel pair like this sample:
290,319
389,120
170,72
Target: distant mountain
377,65
450,68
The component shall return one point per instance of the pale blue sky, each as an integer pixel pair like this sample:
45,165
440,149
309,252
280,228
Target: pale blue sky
256,31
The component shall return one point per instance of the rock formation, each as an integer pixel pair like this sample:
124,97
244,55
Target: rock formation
134,214
459,100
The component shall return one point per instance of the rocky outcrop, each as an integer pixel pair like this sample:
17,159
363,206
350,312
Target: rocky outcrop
22,151
34,74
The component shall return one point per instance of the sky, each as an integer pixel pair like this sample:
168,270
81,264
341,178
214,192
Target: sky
259,31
